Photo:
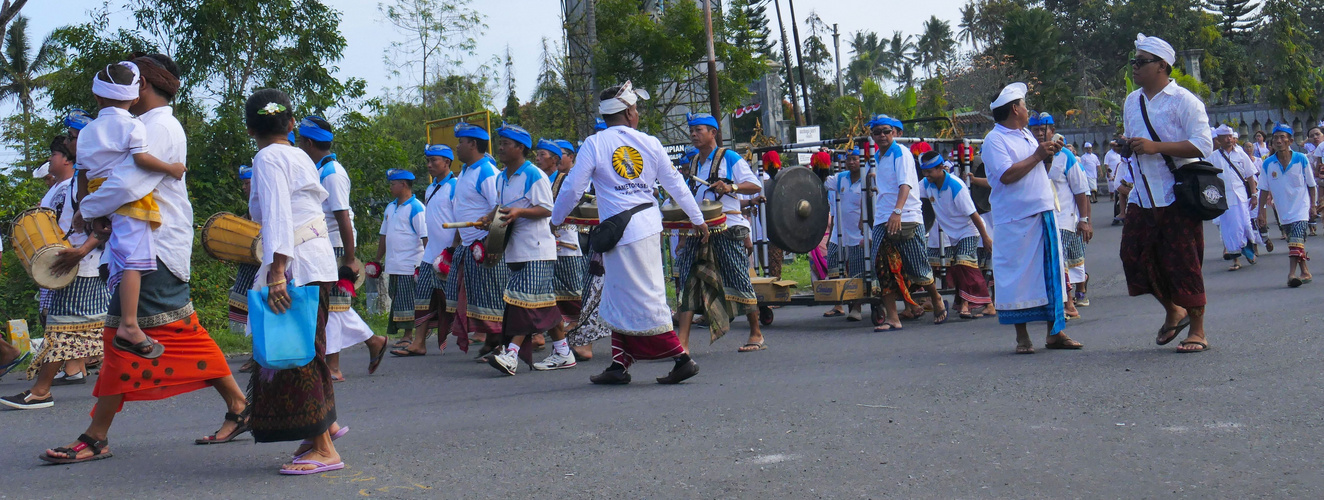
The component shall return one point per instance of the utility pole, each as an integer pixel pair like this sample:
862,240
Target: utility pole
799,60
790,77
836,43
713,101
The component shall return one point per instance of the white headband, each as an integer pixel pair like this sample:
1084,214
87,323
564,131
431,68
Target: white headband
623,100
1224,130
115,91
1157,46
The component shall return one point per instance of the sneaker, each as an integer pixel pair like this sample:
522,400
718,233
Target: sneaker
26,401
555,362
80,378
505,361
1082,301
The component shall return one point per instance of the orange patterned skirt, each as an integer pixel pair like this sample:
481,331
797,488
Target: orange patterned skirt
191,358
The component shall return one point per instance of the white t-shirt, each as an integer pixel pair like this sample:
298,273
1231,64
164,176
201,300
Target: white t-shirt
567,235
437,198
846,202
896,168
733,167
1236,168
1069,180
475,197
529,239
336,182
1028,196
1091,164
952,207
1290,186
1113,161
404,225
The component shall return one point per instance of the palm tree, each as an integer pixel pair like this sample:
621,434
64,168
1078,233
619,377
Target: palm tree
22,76
970,29
936,44
901,58
870,59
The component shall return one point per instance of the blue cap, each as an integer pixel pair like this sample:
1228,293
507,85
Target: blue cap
1037,119
77,119
312,130
291,137
855,152
701,119
600,125
879,120
245,172
1281,127
550,146
396,174
441,150
936,162
515,133
690,152
565,145
471,131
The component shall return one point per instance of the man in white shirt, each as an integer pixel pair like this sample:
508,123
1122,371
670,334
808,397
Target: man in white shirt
898,230
1238,174
430,300
400,244
344,326
625,164
1027,254
1090,162
846,244
571,264
1112,160
478,304
1072,210
1315,153
530,254
954,212
1287,177
727,175
1162,246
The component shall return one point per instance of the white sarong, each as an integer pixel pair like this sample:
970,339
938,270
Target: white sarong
1018,264
634,295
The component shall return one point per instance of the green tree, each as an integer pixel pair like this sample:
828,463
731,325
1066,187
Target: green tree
868,61
936,44
1293,76
749,27
24,74
1034,42
510,113
1238,17
901,57
436,31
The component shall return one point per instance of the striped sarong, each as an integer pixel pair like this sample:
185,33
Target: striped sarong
854,259
913,251
732,265
1073,246
530,303
402,288
481,299
568,277
1296,239
965,273
243,282
75,316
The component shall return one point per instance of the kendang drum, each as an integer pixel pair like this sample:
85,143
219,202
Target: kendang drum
674,220
38,240
231,238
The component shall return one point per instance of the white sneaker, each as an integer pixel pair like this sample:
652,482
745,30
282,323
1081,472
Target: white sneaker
556,362
506,362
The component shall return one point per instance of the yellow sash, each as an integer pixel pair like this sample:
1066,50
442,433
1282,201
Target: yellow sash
144,209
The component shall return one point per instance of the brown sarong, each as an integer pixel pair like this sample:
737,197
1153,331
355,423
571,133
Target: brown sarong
1162,252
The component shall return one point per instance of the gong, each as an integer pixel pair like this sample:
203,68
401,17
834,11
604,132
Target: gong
797,209
498,233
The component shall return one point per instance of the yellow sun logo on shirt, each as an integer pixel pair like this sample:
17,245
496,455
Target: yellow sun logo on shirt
627,162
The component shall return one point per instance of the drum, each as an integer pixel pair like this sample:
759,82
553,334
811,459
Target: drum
671,212
498,232
231,238
685,228
37,240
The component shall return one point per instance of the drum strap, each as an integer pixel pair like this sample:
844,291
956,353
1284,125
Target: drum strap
714,169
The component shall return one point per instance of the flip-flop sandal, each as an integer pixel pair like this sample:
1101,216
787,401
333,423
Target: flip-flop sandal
946,311
1069,344
406,353
1234,267
833,314
968,315
1306,280
907,315
4,370
337,379
321,467
241,426
1294,282
890,328
1203,346
402,343
344,429
376,360
1176,330
154,349
756,346
1021,349
84,442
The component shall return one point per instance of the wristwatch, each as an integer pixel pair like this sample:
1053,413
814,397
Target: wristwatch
896,211
1085,220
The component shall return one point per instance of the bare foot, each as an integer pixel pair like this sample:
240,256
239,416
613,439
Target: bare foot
131,333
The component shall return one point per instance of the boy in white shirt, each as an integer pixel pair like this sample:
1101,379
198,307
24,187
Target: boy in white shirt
430,303
403,235
954,212
1287,177
846,202
571,264
117,140
526,201
1070,186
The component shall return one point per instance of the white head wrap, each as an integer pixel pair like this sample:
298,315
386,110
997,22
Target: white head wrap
623,100
1155,45
1224,130
1009,93
42,171
1089,144
116,91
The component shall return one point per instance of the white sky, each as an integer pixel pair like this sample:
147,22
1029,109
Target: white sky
521,24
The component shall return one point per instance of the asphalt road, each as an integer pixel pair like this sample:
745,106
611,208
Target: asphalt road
831,410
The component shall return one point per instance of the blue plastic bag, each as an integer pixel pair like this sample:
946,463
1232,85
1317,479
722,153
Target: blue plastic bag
288,340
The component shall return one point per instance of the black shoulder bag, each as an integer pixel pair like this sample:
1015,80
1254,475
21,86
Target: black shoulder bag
1198,189
608,233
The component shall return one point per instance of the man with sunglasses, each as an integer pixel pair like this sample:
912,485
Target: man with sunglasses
1027,251
898,231
1162,246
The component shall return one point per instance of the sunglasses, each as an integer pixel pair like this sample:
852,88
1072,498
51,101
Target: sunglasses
1138,62
886,131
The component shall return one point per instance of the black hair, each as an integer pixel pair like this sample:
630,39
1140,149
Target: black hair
1001,113
928,156
408,182
166,63
482,143
60,144
610,93
268,124
1320,129
116,74
324,125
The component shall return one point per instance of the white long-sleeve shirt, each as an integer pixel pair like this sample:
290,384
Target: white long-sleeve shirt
1177,115
624,184
287,194
173,240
